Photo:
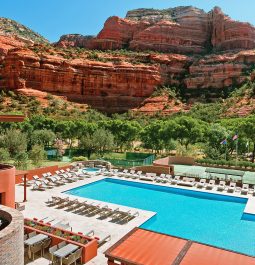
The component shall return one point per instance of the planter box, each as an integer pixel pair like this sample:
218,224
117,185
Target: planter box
89,249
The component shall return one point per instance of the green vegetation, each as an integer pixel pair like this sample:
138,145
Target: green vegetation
12,27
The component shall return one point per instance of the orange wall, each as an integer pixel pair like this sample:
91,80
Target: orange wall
7,185
39,172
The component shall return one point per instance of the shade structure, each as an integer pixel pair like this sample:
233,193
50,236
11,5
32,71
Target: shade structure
144,247
199,254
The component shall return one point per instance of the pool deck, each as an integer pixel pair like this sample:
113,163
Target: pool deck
36,207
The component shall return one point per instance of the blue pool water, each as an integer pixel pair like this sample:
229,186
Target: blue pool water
207,218
91,169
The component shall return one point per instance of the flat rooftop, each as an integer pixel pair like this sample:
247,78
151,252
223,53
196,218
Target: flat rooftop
142,246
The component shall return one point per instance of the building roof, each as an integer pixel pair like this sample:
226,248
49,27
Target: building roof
199,254
144,247
223,171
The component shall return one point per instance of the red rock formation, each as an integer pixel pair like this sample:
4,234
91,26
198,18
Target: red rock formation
107,86
228,34
74,40
220,71
182,30
117,33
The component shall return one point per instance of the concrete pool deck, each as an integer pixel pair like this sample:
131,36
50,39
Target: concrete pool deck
36,207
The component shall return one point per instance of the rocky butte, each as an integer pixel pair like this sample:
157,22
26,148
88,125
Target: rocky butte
202,53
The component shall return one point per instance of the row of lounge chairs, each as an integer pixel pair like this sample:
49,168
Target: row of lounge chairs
61,177
92,209
185,181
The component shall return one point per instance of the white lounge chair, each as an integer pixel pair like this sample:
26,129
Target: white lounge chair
201,183
232,187
190,182
147,177
210,185
221,186
175,180
245,189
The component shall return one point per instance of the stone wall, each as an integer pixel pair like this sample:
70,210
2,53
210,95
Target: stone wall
12,237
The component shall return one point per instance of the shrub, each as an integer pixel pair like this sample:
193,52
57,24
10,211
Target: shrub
4,155
79,158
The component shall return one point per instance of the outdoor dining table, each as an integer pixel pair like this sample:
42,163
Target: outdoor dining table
65,251
34,240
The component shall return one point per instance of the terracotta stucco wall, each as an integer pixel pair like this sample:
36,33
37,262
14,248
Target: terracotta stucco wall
7,185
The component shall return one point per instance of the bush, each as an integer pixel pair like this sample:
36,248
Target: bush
37,154
79,158
4,155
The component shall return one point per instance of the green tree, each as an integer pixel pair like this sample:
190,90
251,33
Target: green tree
42,137
37,155
152,136
188,130
247,129
21,160
99,141
125,132
14,141
4,155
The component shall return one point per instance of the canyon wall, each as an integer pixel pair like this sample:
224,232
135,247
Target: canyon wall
204,53
185,30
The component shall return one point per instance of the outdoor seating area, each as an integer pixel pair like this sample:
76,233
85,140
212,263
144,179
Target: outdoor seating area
102,212
61,177
44,238
202,183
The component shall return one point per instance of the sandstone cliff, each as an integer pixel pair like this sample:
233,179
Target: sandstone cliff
117,81
182,30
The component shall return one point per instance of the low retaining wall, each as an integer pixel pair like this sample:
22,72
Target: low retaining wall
12,237
181,160
156,169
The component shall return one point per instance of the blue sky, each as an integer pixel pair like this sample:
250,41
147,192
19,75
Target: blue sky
53,18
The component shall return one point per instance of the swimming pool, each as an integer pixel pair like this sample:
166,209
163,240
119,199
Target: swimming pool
204,217
91,169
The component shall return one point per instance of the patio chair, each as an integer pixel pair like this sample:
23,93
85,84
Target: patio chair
107,213
245,189
28,182
69,260
90,209
252,190
35,177
221,186
35,249
160,178
201,183
104,240
38,187
232,187
123,173
129,217
51,251
78,254
211,184
175,180
61,244
47,183
31,234
147,177
46,243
